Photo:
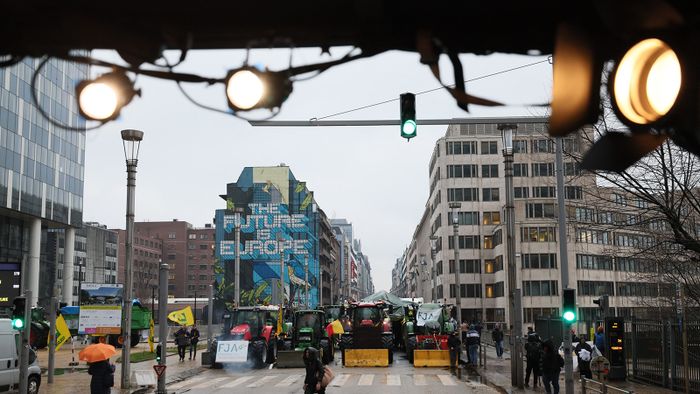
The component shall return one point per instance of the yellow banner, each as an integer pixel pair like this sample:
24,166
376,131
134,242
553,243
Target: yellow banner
182,317
307,200
62,332
279,321
151,335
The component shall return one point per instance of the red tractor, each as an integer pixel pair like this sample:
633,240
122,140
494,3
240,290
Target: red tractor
370,332
256,325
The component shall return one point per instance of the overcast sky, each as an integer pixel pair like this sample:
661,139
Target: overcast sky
371,176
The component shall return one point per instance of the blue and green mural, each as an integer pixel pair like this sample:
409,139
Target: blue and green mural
278,219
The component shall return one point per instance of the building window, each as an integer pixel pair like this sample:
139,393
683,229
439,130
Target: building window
540,210
537,234
203,246
534,288
191,236
203,236
468,290
637,289
462,171
572,169
530,315
593,288
573,192
465,242
521,192
539,260
193,277
203,277
582,214
519,146
488,241
490,194
438,269
593,237
542,146
489,170
191,267
172,256
494,290
489,147
629,264
520,169
438,292
190,246
203,266
467,266
544,191
171,235
461,148
464,218
463,194
492,266
605,217
492,218
593,262
571,145
619,199
542,169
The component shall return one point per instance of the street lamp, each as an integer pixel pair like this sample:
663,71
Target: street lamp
131,140
237,267
433,252
515,316
454,206
424,268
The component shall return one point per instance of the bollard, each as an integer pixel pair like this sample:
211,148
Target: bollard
583,385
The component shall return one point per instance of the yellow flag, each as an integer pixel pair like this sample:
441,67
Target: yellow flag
307,200
182,317
279,321
62,332
230,205
300,187
151,335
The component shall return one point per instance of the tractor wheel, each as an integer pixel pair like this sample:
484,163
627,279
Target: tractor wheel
410,347
115,340
391,356
271,352
327,351
135,338
101,339
258,353
387,342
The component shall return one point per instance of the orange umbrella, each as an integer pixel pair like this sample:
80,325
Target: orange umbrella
97,352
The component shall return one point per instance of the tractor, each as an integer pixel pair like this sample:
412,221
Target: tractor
256,325
370,340
333,312
426,335
308,331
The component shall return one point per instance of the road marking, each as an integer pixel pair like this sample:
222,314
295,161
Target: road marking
288,381
186,382
366,380
419,380
447,380
209,383
262,381
238,381
340,380
393,380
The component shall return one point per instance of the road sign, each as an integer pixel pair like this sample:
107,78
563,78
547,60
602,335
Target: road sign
232,351
159,368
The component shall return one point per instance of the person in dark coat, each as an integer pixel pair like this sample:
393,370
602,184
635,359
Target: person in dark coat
550,365
193,336
102,377
584,353
455,346
497,336
600,339
314,372
532,355
181,342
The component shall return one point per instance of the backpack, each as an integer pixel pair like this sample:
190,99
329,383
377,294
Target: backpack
532,350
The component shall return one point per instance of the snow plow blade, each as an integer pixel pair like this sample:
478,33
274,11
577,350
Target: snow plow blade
290,359
431,358
366,358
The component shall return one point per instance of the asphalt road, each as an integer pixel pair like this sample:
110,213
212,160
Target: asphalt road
400,377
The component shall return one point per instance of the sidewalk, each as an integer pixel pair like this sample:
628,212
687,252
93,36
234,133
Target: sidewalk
79,380
497,373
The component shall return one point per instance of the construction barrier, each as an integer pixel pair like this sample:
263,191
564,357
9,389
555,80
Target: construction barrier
431,358
366,358
290,359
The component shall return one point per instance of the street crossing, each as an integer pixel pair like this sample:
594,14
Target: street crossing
209,381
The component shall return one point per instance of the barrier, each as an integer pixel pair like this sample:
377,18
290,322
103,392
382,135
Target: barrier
366,358
431,358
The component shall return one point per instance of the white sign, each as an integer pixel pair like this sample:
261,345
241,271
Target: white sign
232,351
427,315
100,308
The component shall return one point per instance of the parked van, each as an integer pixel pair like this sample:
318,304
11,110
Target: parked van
9,361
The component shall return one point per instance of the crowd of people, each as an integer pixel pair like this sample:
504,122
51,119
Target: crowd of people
184,337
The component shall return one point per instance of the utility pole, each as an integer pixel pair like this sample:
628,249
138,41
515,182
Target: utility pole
564,262
52,335
24,344
455,243
163,325
210,318
433,252
237,267
306,282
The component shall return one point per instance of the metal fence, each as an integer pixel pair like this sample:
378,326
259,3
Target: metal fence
655,353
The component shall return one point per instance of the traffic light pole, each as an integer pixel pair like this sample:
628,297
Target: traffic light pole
52,337
24,349
163,321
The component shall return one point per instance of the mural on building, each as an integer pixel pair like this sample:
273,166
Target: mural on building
278,220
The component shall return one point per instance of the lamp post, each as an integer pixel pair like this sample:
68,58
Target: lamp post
454,206
131,140
515,316
433,252
237,267
423,275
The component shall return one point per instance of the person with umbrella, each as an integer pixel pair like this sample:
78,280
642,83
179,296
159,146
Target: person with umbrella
100,369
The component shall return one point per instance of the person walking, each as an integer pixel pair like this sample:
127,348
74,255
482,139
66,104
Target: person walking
455,346
193,336
532,355
463,328
181,342
314,372
473,341
600,340
497,336
550,365
102,380
584,352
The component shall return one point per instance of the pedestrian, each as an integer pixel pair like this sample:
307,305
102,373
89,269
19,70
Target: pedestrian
463,328
473,341
550,365
181,342
600,340
532,355
497,336
584,353
455,346
102,377
531,332
314,372
194,339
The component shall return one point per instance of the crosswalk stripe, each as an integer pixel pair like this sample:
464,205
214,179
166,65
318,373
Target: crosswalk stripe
288,381
262,381
238,381
366,380
419,380
210,383
186,382
393,380
340,380
446,380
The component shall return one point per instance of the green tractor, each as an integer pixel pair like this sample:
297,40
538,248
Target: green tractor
308,330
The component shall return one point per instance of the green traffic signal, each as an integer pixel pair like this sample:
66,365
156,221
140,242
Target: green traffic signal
17,324
408,115
408,128
18,312
569,316
569,305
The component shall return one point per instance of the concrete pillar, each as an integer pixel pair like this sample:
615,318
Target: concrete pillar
33,262
68,260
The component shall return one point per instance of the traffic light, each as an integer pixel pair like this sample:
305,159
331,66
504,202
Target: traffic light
158,353
408,115
569,305
18,311
603,304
